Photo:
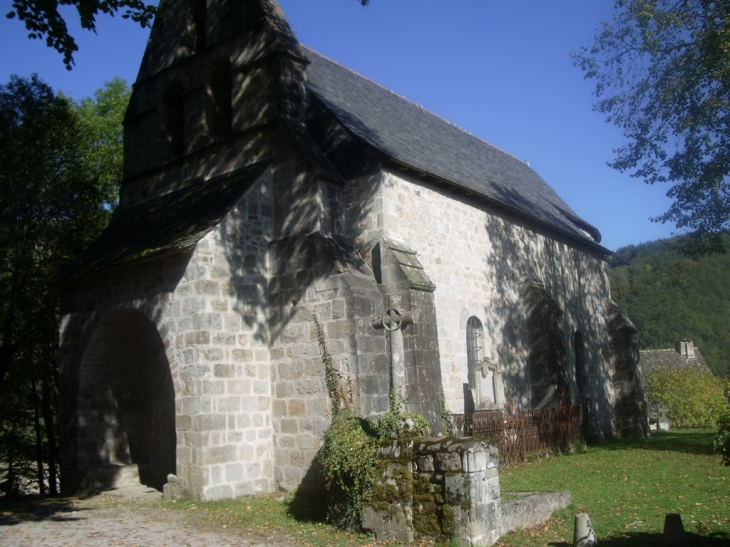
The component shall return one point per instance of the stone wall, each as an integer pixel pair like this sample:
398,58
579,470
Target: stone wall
532,508
447,488
206,312
479,259
437,488
320,274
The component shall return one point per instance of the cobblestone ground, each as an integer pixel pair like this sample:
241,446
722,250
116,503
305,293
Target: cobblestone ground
101,521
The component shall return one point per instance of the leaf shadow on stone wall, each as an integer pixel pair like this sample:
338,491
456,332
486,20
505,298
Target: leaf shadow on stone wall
517,254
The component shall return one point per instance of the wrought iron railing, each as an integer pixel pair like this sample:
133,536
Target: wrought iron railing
527,432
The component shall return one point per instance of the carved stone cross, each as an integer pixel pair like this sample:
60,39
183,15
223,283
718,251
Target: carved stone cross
394,320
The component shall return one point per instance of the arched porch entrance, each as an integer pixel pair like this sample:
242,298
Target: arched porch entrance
126,403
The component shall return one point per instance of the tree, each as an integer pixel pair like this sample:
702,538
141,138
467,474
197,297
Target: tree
100,122
44,21
54,200
694,397
662,73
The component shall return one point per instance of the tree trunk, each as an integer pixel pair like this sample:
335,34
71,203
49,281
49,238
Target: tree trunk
38,429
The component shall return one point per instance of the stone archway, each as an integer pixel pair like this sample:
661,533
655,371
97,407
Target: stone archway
548,375
126,404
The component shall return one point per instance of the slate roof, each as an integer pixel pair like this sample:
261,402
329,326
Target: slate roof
172,222
414,137
651,359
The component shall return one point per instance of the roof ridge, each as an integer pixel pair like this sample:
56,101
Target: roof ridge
415,104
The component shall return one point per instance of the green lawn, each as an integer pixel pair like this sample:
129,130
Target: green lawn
628,486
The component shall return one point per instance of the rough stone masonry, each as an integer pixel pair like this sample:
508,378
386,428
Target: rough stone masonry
264,182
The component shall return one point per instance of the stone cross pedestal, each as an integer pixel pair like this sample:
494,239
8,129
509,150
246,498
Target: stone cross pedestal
394,320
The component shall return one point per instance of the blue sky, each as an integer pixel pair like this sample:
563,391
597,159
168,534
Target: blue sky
500,70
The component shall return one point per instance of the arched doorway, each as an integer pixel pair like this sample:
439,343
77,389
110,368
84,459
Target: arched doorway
127,400
548,376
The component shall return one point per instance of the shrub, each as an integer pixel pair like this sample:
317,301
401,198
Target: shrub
349,451
348,457
721,442
694,397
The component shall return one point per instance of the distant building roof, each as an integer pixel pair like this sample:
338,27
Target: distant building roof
684,354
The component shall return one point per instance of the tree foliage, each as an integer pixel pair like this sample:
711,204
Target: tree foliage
55,198
694,397
44,21
662,72
721,442
670,297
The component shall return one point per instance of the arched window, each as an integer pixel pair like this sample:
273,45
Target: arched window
199,9
580,367
484,388
174,119
220,90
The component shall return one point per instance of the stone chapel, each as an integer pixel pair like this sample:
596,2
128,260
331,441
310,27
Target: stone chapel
263,183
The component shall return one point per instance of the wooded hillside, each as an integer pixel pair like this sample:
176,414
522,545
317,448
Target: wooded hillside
670,297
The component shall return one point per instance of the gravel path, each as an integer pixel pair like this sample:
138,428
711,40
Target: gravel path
118,521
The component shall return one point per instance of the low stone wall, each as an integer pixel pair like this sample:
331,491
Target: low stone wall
532,508
444,487
448,488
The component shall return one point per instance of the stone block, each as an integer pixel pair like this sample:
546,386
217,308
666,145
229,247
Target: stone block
279,408
392,524
243,489
210,422
340,329
228,404
219,305
249,404
213,354
253,470
197,405
448,462
242,355
424,463
234,472
261,387
183,422
194,371
218,454
207,287
197,338
213,387
296,407
224,339
238,387
473,461
583,534
232,322
221,492
223,371
196,439
456,488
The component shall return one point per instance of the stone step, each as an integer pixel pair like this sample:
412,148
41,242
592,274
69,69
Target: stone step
107,477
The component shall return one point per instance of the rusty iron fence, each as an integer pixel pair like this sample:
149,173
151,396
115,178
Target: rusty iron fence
527,432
